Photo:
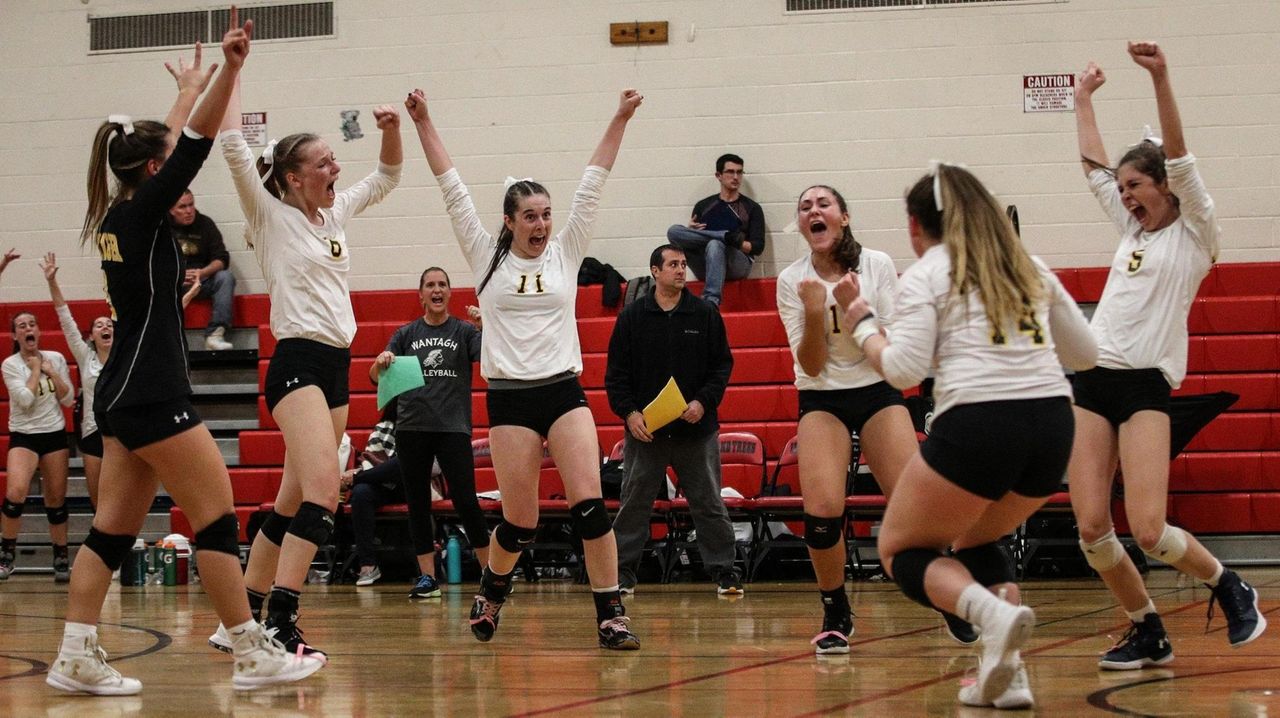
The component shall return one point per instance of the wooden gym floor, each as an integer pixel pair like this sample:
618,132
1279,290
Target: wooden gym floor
701,655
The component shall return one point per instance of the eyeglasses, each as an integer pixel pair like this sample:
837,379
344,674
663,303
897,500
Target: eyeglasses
731,173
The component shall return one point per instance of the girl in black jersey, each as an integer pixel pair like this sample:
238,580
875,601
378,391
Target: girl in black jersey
151,431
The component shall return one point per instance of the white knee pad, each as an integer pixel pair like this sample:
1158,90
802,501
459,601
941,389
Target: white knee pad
1103,554
1171,547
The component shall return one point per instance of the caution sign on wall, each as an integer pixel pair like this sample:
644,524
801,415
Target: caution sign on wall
1049,93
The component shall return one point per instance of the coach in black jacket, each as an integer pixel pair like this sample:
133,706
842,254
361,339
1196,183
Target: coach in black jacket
671,333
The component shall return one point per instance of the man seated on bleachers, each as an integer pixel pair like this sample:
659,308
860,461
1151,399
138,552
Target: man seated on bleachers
208,265
669,333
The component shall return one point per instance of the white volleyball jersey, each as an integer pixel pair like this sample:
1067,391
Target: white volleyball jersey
87,359
933,328
1141,320
846,366
305,265
530,319
40,411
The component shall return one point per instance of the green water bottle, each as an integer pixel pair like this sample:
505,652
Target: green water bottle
169,558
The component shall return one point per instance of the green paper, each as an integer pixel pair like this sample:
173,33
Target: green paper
403,374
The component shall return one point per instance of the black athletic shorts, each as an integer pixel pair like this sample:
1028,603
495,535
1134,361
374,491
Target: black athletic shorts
853,407
1118,394
45,442
91,445
994,447
303,362
138,427
536,407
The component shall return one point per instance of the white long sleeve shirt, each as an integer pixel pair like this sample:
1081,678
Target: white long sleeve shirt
40,411
305,265
87,359
846,366
933,328
530,319
1141,320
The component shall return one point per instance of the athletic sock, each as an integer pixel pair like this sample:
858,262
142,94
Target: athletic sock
256,601
608,603
495,586
1212,581
282,606
835,601
977,605
73,635
1140,614
238,633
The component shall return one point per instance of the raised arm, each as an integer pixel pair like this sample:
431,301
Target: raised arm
432,146
607,151
209,116
8,257
1087,133
1150,57
392,151
191,82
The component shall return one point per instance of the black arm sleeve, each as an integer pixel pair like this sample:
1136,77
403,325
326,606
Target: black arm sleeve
152,200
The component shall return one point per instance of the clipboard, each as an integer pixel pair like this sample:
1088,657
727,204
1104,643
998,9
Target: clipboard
403,375
665,408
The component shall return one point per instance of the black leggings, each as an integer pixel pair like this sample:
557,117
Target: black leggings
417,451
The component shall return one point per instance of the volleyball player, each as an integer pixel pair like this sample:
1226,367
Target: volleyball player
994,325
151,432
840,394
296,226
531,359
1168,242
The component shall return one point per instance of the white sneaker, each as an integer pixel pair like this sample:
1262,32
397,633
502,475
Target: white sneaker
369,577
263,661
221,640
88,672
216,342
1017,695
1000,660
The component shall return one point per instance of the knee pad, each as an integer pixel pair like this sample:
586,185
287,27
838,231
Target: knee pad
591,519
111,548
1171,547
908,570
275,527
12,510
314,523
1103,554
223,536
989,563
820,533
514,539
57,516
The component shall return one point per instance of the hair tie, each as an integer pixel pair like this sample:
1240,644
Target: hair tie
934,171
506,185
1148,135
125,122
269,158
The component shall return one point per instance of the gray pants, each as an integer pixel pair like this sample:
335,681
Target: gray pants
697,464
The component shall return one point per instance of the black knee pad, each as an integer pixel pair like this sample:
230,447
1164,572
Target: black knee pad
512,538
111,548
223,536
12,510
57,516
275,527
820,533
989,563
591,519
908,570
314,523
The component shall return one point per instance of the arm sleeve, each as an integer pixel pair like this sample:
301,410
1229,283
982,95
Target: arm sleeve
365,193
576,234
755,229
906,361
255,201
80,349
617,373
152,200
1195,203
16,383
719,363
477,244
1073,341
60,366
1105,189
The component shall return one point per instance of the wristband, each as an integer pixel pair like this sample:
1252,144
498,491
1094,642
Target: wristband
866,328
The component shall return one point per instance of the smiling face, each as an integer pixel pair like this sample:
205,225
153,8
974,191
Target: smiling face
530,225
26,333
821,220
311,183
101,332
434,293
1150,202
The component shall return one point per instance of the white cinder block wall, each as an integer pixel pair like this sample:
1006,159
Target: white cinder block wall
857,99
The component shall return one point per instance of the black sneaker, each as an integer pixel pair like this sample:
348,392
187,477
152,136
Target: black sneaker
834,638
484,618
291,636
1240,606
729,584
6,565
616,635
959,629
1144,644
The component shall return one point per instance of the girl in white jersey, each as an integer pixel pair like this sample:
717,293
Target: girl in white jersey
1168,243
297,229
531,358
39,385
90,356
993,324
840,394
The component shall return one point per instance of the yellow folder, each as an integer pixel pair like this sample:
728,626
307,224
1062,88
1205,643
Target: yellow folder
665,408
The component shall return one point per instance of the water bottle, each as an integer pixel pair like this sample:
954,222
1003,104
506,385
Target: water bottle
169,563
453,559
134,571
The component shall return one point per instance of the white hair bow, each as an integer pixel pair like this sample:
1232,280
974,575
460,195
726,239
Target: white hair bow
506,185
125,121
269,158
1149,135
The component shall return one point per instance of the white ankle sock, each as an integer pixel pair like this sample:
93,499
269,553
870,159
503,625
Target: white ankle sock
1138,615
1217,576
238,633
73,635
977,605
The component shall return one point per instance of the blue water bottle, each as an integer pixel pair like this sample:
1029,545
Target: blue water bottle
453,559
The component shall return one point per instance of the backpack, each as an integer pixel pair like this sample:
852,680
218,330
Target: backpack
637,287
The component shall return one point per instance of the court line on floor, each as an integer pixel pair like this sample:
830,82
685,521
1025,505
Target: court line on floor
163,640
1099,699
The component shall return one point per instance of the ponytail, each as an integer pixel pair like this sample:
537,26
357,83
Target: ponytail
124,148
